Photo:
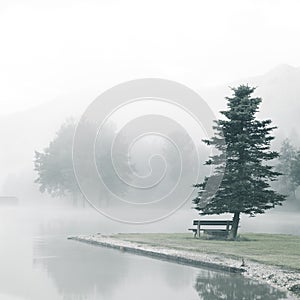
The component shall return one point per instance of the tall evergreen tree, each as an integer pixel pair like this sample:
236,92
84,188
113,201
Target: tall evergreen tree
245,186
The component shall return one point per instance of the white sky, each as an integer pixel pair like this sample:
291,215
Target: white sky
52,48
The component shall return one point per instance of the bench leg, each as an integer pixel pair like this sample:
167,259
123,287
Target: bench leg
227,228
198,230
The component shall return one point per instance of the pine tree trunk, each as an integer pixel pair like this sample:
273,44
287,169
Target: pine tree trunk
235,226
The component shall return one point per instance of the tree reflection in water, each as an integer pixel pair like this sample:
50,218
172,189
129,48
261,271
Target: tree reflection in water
214,286
81,271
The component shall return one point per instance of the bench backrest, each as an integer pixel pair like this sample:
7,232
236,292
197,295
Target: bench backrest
213,222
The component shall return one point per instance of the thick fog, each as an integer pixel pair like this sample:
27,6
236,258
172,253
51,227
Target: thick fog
51,72
33,129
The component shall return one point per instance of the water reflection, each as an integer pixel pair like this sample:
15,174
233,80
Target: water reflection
38,262
82,271
214,286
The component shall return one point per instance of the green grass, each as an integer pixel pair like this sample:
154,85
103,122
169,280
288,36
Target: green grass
274,249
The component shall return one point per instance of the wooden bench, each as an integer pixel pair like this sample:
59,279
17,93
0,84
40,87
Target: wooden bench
208,227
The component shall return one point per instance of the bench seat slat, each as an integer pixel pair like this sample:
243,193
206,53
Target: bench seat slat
212,222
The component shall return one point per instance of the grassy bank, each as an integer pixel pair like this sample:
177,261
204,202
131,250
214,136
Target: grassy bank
272,249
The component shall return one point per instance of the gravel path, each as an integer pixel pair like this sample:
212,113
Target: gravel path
282,279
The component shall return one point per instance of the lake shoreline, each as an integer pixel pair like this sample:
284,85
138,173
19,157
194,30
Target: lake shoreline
280,278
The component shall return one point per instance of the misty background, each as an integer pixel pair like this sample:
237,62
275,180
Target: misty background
24,132
56,59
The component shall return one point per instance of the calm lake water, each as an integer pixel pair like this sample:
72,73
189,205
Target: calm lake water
38,262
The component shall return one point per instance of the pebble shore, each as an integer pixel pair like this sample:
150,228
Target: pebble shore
287,280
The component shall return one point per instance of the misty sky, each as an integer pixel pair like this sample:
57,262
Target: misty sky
54,48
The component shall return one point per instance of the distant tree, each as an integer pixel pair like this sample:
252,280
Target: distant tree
295,170
181,162
245,187
189,151
54,165
286,159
